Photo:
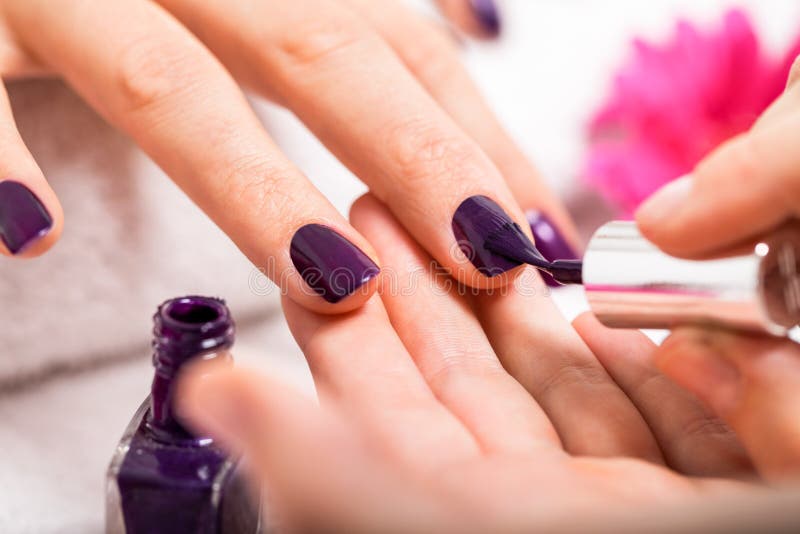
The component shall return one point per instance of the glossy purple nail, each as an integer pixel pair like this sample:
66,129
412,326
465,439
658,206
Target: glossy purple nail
330,264
23,217
479,220
549,241
488,15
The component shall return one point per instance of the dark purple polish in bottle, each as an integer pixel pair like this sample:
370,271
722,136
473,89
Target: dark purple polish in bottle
164,479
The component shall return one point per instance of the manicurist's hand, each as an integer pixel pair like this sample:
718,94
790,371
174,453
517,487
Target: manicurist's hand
440,412
379,85
746,188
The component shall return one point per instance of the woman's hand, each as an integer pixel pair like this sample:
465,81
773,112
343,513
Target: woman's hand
448,412
747,187
379,85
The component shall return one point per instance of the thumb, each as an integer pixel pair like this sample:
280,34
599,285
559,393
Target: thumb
317,474
751,382
743,189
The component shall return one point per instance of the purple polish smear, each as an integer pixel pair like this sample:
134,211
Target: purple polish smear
164,479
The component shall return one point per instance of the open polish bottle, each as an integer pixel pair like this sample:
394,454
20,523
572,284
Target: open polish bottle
164,478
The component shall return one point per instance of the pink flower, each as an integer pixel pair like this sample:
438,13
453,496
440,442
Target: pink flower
671,104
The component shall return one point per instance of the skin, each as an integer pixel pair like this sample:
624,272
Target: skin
744,189
426,429
381,86
441,421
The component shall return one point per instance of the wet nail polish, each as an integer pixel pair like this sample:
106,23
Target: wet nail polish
479,221
165,479
488,15
331,265
23,217
549,241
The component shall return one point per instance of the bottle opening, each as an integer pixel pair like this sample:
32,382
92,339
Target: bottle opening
192,312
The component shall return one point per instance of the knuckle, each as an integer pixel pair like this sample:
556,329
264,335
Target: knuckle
579,374
456,364
425,154
703,426
315,40
153,69
258,185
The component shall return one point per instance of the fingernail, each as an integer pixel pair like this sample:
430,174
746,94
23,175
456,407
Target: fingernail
23,217
666,201
549,241
476,220
330,264
488,15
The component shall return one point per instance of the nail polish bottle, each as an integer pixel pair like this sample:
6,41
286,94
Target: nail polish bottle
164,478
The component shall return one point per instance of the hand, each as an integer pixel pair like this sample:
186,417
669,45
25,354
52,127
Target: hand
747,187
442,412
379,85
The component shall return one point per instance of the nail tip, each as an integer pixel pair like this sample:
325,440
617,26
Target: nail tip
332,266
27,245
24,220
488,15
474,221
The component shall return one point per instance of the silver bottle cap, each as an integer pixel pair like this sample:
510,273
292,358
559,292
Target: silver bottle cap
630,283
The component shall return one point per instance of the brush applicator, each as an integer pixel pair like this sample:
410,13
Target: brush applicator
631,283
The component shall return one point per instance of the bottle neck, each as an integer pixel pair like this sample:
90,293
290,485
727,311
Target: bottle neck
185,329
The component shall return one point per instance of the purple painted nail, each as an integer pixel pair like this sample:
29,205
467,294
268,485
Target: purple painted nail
479,219
23,217
488,15
330,264
549,241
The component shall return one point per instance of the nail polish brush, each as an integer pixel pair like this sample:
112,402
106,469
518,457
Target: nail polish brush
631,283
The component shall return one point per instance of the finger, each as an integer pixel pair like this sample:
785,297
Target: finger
347,85
31,218
481,18
319,476
448,345
358,361
794,74
745,188
148,75
694,440
591,414
751,382
435,61
784,106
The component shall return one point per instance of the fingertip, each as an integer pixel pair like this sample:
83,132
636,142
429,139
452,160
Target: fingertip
365,207
660,218
586,321
336,270
31,218
691,357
